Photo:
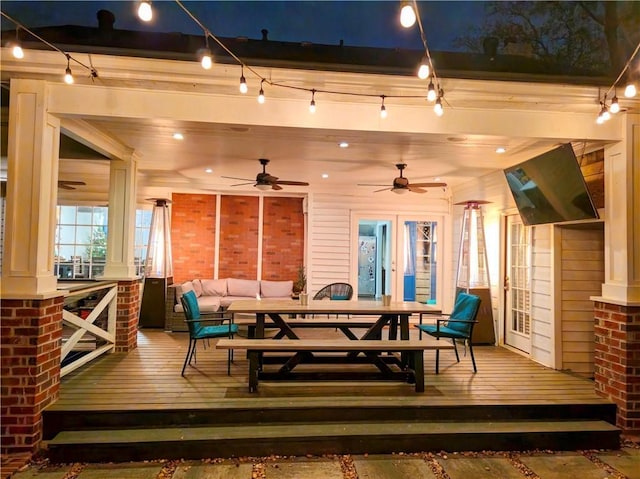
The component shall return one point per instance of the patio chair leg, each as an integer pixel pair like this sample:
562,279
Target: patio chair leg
437,360
455,348
187,357
473,359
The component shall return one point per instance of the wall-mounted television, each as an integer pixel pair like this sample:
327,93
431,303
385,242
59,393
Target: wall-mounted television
550,188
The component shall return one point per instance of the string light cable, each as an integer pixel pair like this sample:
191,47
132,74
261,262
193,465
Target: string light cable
93,73
630,91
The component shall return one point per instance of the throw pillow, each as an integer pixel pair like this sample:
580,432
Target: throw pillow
197,287
214,287
243,287
276,289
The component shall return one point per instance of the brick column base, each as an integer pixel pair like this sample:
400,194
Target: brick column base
127,315
31,335
617,361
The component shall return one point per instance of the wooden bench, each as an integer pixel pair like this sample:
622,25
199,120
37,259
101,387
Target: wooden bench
413,371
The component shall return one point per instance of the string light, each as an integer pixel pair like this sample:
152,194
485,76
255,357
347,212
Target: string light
615,106
437,108
423,69
205,59
431,92
243,82
407,15
145,7
383,109
312,104
68,76
629,92
16,46
145,12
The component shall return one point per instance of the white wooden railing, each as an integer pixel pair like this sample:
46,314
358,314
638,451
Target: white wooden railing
85,335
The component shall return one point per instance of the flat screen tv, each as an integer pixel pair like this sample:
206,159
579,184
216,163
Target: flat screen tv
550,188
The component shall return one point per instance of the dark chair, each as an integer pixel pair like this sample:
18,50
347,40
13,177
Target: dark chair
458,325
335,292
198,330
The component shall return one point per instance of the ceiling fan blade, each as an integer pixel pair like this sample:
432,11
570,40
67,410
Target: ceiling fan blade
427,185
383,189
71,182
369,184
65,187
242,184
236,178
293,183
413,189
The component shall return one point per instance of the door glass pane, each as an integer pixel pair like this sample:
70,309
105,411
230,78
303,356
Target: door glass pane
420,262
520,279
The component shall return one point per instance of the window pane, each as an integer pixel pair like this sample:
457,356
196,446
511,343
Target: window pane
67,215
67,234
84,215
83,234
100,216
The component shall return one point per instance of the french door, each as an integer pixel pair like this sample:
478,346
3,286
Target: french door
517,284
398,255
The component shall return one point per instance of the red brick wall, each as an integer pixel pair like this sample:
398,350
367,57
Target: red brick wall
193,232
31,334
282,238
617,360
238,237
127,315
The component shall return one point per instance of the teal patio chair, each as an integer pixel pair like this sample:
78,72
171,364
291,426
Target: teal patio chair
457,325
334,292
198,330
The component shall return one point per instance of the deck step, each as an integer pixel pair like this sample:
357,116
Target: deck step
328,438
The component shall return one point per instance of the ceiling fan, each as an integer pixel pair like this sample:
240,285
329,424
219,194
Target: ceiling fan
69,185
264,181
402,185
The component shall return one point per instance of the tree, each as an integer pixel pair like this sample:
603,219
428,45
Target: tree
98,244
597,37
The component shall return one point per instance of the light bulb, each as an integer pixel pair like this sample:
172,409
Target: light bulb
599,120
615,106
17,51
437,108
431,92
407,15
261,96
312,104
68,77
383,112
243,83
206,60
145,13
423,70
630,90
605,114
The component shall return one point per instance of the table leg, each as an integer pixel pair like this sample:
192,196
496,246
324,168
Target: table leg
281,323
254,360
418,370
404,335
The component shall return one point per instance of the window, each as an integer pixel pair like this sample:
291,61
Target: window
81,241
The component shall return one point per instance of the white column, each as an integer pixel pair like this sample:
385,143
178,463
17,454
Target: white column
32,192
622,225
122,219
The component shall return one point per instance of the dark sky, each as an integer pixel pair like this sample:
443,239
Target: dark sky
358,23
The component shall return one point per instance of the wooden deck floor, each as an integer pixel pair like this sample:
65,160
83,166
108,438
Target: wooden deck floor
149,378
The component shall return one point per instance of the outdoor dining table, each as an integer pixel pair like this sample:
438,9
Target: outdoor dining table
394,315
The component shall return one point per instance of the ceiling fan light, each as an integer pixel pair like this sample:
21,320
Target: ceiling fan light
400,191
263,186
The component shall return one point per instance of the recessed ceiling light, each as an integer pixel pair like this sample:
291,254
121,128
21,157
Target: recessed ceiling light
344,144
437,178
208,170
178,136
500,149
325,175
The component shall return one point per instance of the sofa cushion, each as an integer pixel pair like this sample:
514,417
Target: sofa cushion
214,287
183,288
276,289
197,287
243,287
207,304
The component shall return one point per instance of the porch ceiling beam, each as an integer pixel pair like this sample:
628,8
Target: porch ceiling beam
92,137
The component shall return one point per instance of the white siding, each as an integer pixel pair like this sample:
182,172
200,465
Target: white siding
581,276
